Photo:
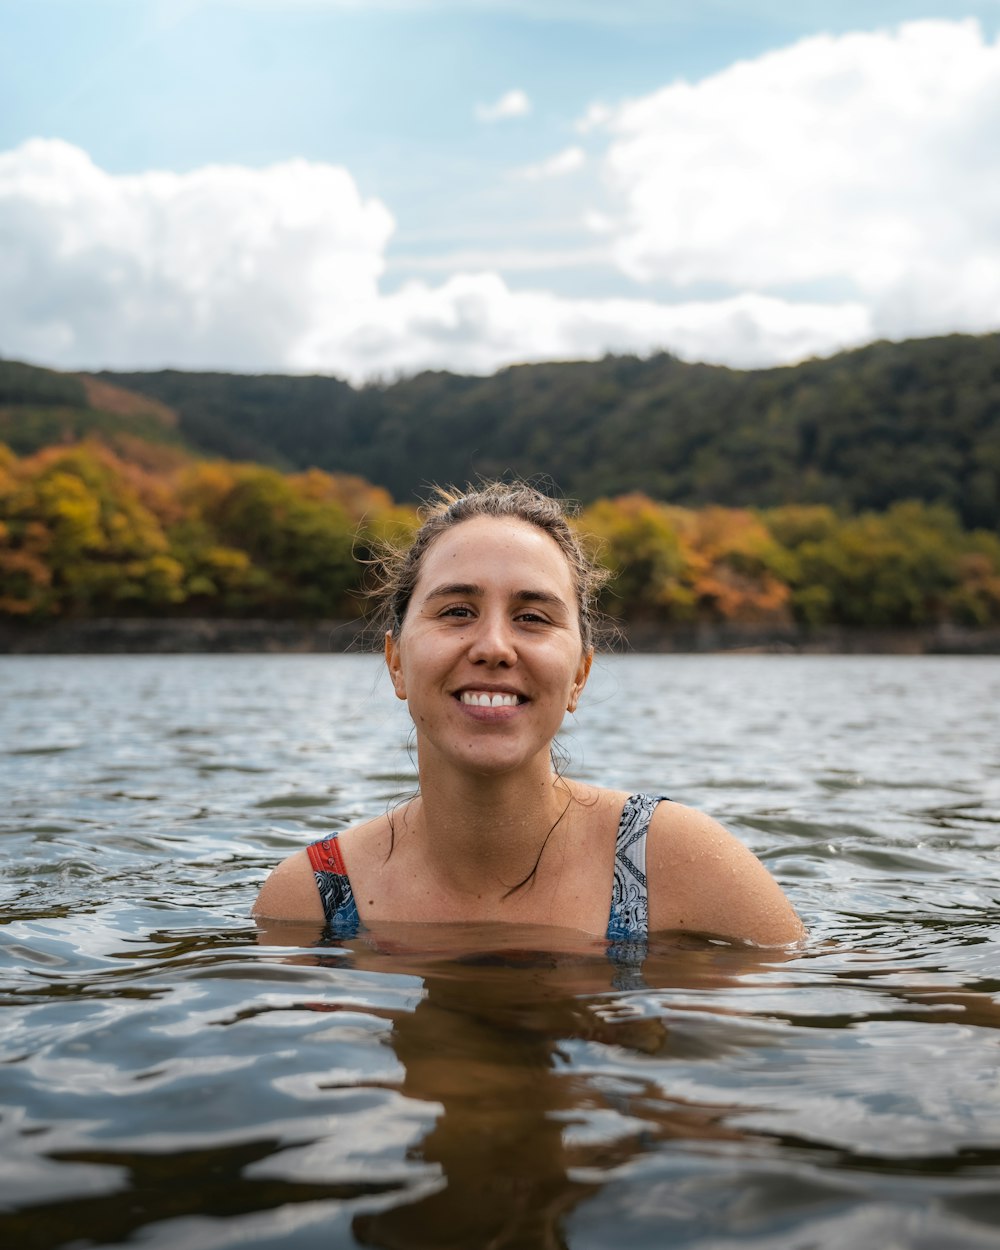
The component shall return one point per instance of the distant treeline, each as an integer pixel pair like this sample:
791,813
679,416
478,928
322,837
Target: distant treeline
143,529
860,431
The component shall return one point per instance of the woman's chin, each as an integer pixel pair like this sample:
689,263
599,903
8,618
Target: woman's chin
495,759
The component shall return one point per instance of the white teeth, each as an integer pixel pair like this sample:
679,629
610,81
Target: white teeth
481,699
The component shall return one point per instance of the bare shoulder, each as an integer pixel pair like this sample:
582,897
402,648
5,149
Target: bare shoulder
290,893
704,880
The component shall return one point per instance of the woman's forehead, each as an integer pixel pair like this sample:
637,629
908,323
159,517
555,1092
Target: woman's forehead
490,545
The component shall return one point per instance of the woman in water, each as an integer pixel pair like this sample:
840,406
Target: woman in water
489,640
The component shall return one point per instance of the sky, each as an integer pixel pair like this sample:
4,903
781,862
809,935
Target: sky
369,188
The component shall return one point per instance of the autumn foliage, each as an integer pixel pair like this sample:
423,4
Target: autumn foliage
87,531
911,566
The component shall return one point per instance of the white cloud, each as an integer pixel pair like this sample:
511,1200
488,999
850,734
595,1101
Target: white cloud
597,115
865,161
474,323
278,268
504,259
568,161
513,103
221,267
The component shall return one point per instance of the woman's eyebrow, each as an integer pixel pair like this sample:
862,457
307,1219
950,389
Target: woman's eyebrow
538,596
469,590
466,589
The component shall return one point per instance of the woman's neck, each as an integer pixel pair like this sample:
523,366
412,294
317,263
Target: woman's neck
483,835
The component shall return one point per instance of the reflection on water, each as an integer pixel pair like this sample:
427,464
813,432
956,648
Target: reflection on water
522,1133
487,1047
171,1077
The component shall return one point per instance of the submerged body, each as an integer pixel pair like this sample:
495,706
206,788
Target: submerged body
490,648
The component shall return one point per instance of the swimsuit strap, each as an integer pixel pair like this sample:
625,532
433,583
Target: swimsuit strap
629,920
334,887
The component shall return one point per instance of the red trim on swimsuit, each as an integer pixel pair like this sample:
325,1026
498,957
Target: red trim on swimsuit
325,856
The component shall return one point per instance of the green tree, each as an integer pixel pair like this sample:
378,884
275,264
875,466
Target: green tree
895,569
302,547
642,545
102,549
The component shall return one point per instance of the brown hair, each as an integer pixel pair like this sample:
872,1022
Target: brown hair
397,568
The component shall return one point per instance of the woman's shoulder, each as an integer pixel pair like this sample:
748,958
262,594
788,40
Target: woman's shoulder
703,879
624,806
600,799
290,893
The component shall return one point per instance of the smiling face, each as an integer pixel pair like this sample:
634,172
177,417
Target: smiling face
489,657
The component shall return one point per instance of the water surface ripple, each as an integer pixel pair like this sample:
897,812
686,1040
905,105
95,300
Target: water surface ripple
167,1080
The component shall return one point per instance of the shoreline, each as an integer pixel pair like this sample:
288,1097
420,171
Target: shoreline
205,635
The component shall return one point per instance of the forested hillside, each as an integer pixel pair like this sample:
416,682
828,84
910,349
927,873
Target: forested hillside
874,475
862,430
39,407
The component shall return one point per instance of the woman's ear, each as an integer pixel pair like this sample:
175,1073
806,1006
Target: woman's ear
582,673
392,662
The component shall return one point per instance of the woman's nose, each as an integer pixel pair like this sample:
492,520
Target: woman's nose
492,641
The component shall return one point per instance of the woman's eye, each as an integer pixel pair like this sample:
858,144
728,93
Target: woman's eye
457,610
531,618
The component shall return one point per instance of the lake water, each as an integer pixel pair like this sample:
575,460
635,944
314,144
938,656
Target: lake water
167,1081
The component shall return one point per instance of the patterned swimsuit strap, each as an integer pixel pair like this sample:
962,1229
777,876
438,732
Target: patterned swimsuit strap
629,920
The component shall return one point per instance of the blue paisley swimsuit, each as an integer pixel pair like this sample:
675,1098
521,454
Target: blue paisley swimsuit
629,919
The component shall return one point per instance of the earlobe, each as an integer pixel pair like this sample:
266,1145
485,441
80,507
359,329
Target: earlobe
582,673
394,666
